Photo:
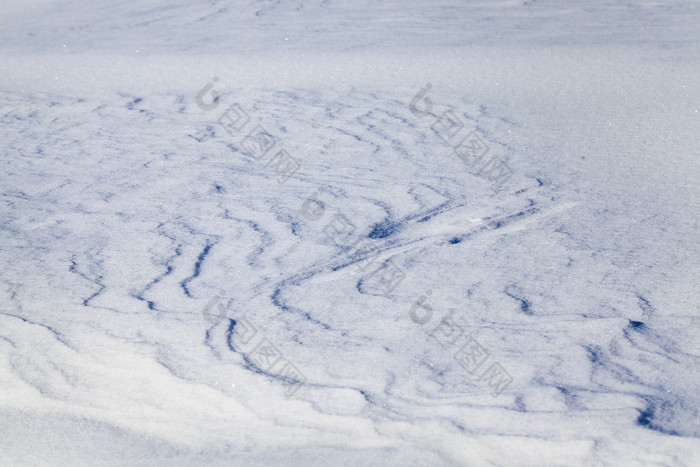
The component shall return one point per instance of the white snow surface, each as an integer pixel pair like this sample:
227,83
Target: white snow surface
174,291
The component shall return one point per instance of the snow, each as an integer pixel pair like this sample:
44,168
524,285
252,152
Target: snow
174,291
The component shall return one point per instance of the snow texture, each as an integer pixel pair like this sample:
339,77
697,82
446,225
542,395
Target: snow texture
350,233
